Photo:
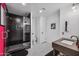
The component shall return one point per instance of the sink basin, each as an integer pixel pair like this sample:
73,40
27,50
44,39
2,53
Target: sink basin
69,42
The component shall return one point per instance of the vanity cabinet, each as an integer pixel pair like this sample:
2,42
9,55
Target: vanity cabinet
67,50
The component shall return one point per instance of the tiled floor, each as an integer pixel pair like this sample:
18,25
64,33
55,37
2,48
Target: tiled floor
40,49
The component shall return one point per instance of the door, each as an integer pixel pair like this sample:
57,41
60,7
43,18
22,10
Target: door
42,29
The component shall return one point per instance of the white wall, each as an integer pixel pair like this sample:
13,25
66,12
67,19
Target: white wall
53,34
33,30
67,14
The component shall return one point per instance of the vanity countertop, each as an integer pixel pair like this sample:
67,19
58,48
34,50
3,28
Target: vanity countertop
65,48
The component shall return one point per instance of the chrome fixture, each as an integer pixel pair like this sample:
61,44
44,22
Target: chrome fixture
24,4
74,36
75,6
42,10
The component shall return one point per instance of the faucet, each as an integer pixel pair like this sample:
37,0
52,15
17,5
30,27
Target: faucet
76,38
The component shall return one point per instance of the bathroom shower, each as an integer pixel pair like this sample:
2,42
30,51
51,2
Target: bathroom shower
19,30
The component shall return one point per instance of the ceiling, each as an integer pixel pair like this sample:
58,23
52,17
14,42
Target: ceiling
34,8
18,8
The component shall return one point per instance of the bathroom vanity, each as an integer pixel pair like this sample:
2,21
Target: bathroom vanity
66,46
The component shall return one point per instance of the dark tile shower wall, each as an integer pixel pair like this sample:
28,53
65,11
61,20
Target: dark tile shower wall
15,29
